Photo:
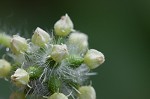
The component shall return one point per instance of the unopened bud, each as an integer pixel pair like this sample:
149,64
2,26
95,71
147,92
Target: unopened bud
40,37
18,44
59,52
5,68
63,26
75,61
58,96
5,39
34,72
20,77
54,84
80,40
87,92
93,58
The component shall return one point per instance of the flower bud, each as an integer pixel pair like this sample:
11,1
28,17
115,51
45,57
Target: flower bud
80,40
40,37
18,44
54,84
87,92
75,61
20,77
63,26
93,58
59,52
5,68
58,96
5,39
34,72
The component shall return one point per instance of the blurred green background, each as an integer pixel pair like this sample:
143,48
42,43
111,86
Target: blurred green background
118,28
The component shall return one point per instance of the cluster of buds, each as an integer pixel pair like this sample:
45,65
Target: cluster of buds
55,66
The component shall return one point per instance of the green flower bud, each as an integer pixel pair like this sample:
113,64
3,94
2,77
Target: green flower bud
58,96
54,84
59,52
18,44
5,39
20,77
79,39
40,37
75,61
63,26
34,72
87,92
93,58
5,68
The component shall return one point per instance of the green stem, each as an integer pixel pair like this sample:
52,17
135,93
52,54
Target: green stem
5,40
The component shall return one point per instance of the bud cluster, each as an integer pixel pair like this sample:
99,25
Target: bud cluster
54,66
